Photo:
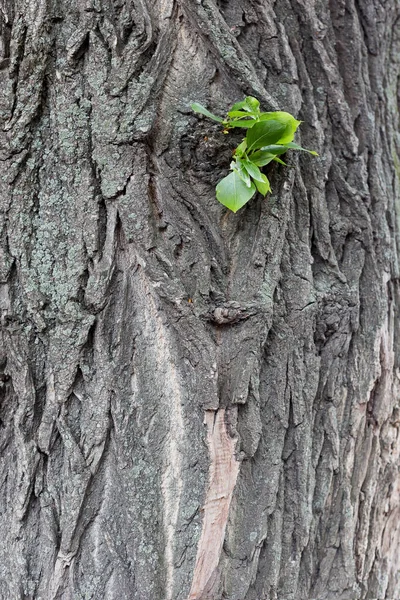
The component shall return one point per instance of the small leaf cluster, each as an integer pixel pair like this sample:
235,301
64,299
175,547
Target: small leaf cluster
269,134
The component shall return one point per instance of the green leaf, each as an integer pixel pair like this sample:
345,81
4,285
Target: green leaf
264,156
198,108
233,193
253,170
252,103
294,146
239,113
263,186
247,123
238,167
280,161
291,124
290,131
249,104
273,149
241,149
239,105
261,159
264,133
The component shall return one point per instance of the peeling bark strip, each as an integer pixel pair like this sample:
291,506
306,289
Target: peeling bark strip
224,469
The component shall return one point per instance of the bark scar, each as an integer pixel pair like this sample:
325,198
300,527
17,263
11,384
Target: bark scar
224,469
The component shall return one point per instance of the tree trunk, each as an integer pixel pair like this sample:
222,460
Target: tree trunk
197,404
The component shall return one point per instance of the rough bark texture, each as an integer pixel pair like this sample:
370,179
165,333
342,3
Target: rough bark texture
196,403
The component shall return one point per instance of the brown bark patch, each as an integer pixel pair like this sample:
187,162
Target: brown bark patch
224,469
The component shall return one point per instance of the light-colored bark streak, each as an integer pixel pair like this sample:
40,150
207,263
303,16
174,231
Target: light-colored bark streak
224,469
171,479
172,486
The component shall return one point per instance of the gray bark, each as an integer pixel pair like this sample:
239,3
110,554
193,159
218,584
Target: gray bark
197,404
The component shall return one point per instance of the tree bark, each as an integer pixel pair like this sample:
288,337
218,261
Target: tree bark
197,404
